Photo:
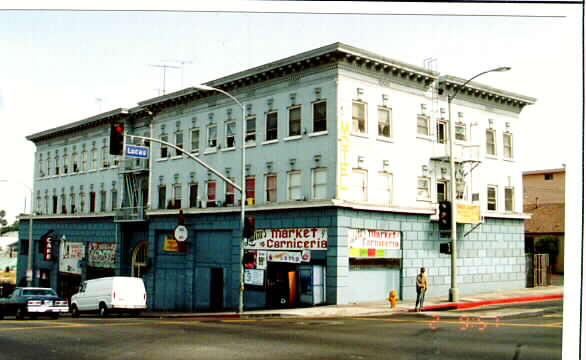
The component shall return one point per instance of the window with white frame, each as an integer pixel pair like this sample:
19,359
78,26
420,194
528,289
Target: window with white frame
92,201
72,202
423,188
508,145
55,204
230,190
162,196
164,148
442,132
460,131
423,122
358,117
295,121
441,191
93,159
320,183
250,129
179,142
272,129
84,160
294,185
195,140
114,198
177,196
384,122
49,165
74,163
65,164
81,202
359,185
211,193
212,136
105,157
320,116
509,199
230,134
384,188
193,195
38,204
103,200
491,193
250,190
490,142
46,205
271,187
41,166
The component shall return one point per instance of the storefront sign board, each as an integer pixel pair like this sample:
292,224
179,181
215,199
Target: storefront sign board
254,277
102,255
289,239
284,256
373,243
468,214
70,255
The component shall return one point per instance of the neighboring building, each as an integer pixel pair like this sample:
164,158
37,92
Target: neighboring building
345,165
544,199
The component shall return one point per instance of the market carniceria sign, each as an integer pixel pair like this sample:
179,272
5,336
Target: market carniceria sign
289,239
373,243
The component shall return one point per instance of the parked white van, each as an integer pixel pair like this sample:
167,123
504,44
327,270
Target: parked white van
111,294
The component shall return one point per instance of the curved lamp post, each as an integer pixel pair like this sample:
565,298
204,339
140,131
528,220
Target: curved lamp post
242,189
29,268
454,293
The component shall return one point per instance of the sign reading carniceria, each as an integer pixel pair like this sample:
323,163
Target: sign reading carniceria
289,239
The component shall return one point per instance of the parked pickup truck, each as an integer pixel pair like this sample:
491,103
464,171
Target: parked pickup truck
33,301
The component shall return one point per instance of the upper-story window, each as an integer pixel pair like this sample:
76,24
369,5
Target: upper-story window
212,136
74,162
164,148
320,183
250,129
114,199
442,131
384,188
93,159
250,190
41,166
384,122
178,142
84,158
509,198
65,164
491,192
320,122
211,193
92,201
230,134
441,191
195,140
230,190
272,126
177,196
548,176
423,188
271,187
359,185
105,157
490,142
193,195
295,121
103,200
423,120
294,185
49,165
358,117
508,145
460,132
162,196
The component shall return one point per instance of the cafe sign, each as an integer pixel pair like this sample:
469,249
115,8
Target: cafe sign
289,239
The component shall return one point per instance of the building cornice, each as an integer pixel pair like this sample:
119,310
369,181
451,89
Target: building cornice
542,172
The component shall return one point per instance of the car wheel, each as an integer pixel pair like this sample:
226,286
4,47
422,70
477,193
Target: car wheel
55,316
103,311
20,313
74,311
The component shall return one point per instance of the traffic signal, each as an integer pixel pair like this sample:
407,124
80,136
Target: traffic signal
446,248
445,215
249,227
116,139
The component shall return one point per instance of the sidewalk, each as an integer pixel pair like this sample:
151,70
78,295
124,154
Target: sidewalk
433,305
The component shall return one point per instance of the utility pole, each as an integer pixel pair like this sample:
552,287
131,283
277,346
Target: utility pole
165,67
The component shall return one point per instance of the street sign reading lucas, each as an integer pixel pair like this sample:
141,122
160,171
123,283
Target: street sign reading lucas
181,233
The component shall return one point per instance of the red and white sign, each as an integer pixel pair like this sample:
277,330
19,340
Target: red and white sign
374,239
69,257
289,239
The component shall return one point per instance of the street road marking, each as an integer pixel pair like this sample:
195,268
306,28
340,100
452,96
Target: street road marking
553,316
460,323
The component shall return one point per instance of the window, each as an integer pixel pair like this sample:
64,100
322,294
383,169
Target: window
41,166
548,177
212,136
65,165
385,188
93,159
294,186
358,117
81,202
55,204
84,161
359,185
271,188
46,205
491,198
295,121
177,196
102,201
460,132
164,148
211,202
72,203
250,190
490,142
230,135
49,166
114,199
442,191
105,157
250,129
509,199
193,195
230,199
423,125
162,196
423,188
320,116
384,122
508,145
63,204
74,163
442,132
195,140
92,201
320,182
179,142
272,133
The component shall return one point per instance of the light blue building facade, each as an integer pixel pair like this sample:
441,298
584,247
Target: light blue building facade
345,165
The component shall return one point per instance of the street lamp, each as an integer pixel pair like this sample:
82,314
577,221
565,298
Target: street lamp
242,189
29,268
454,293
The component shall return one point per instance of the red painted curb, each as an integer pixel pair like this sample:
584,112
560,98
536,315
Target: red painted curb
452,306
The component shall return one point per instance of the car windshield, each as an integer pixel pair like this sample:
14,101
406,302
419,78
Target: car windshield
39,292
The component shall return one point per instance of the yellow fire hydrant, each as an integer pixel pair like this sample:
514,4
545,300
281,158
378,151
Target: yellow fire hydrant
393,298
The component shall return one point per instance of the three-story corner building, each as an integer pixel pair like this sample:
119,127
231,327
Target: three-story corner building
346,160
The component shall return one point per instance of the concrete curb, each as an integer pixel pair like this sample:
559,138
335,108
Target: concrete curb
469,305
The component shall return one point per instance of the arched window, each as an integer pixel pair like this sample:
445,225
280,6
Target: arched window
139,259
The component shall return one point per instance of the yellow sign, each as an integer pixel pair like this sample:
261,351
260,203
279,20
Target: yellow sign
468,214
173,245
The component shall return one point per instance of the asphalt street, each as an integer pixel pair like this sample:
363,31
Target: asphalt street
405,336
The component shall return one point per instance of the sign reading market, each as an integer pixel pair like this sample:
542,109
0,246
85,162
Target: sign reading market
289,239
373,243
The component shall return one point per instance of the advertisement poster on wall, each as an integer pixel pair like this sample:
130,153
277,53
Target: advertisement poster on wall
254,277
70,255
102,255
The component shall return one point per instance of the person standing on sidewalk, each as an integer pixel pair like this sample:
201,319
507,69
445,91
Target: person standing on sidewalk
421,287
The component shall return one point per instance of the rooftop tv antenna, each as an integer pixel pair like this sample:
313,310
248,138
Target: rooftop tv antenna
165,67
182,62
99,101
